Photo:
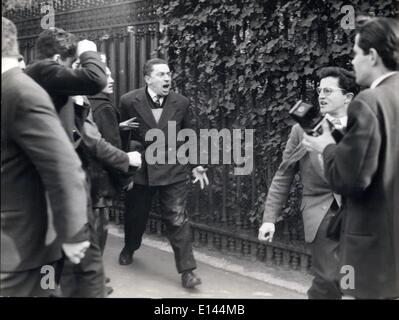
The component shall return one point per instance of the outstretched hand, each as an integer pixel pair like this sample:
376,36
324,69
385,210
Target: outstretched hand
199,174
129,124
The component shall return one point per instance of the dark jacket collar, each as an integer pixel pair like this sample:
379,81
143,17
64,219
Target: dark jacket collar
144,109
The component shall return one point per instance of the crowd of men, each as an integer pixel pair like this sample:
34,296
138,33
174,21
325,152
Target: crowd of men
67,153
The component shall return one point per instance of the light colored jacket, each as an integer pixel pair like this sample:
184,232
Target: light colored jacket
317,196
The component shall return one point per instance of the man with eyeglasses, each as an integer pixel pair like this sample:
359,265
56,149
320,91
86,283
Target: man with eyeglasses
364,165
319,203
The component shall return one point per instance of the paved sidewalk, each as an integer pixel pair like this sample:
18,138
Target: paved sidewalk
153,274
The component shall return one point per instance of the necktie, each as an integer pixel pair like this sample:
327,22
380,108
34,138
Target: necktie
157,101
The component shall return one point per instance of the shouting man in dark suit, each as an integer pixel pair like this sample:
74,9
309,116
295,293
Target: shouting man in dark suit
364,166
41,181
153,107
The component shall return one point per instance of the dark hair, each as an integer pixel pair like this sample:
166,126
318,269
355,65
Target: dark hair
9,44
148,66
55,41
346,79
382,34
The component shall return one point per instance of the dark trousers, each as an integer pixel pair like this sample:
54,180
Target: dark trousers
86,279
31,283
324,264
102,223
172,200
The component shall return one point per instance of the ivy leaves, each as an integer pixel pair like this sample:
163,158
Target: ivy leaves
245,63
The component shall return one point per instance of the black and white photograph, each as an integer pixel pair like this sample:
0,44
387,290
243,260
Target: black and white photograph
200,157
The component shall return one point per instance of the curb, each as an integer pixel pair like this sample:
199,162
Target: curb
267,274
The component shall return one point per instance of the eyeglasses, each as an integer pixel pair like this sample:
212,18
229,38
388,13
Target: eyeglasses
327,91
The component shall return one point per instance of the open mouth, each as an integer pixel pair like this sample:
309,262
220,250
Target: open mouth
166,86
322,103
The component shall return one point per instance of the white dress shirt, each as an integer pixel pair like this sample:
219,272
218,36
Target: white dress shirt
156,112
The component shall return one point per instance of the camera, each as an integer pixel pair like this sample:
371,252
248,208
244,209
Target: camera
310,119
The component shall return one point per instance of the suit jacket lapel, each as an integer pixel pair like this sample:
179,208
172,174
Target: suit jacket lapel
144,109
169,110
314,159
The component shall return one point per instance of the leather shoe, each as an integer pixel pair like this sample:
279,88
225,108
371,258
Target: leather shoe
107,280
125,257
189,279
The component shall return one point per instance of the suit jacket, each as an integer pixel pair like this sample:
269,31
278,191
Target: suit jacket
317,195
176,108
105,183
36,158
61,83
364,167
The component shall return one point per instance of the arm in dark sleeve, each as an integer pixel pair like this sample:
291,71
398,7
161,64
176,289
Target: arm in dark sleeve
124,134
89,79
350,165
107,122
39,133
110,156
280,187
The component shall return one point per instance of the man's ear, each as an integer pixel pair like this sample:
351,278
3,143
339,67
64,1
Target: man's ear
146,79
56,58
349,97
374,56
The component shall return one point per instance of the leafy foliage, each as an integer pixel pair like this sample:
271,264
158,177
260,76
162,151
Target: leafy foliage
245,63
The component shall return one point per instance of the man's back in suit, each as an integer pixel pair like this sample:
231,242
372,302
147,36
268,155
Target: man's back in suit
37,159
370,181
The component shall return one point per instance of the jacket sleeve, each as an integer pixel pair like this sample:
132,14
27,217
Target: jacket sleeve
38,131
108,155
350,165
280,187
124,134
89,79
107,122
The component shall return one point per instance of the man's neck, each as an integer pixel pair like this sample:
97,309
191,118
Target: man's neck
338,114
8,63
378,72
151,92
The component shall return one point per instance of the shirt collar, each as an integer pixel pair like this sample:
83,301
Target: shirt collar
153,95
377,81
343,120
